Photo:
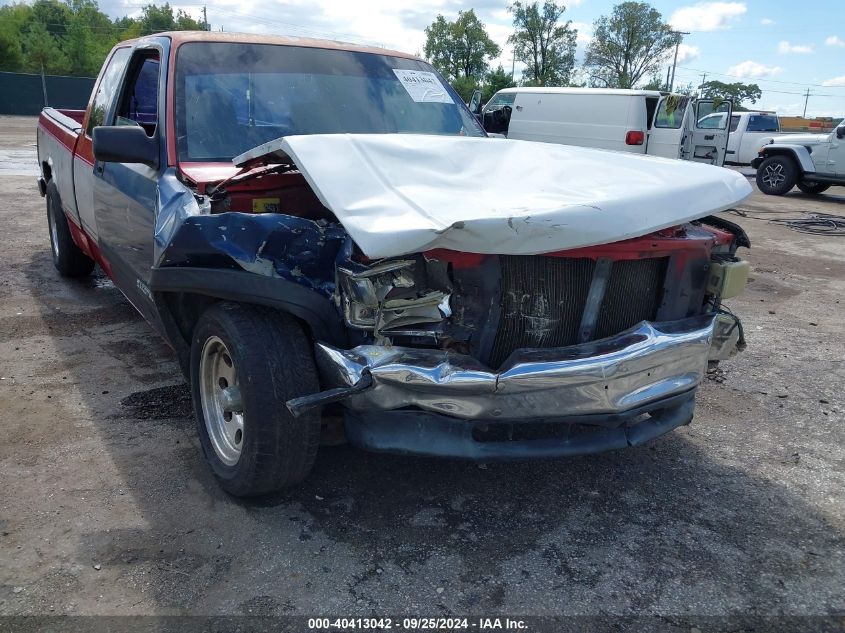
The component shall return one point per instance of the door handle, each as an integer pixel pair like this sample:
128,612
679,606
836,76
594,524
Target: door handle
709,137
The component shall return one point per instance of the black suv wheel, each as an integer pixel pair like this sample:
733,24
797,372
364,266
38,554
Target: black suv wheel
776,175
813,188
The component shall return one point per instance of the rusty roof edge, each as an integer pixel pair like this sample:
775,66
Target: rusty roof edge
182,37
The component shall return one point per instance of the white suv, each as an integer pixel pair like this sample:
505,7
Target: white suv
812,162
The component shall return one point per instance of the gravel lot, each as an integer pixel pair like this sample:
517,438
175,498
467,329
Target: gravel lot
108,508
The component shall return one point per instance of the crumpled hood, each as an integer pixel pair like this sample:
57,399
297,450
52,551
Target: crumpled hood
801,139
401,193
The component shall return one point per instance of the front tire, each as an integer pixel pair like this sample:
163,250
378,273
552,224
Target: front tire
246,362
813,188
68,258
776,175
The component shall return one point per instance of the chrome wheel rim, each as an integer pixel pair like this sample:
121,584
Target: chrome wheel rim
54,231
222,407
773,175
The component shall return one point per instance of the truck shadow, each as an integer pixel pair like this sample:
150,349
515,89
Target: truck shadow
663,527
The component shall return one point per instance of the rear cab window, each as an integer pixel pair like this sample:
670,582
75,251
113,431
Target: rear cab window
763,123
734,122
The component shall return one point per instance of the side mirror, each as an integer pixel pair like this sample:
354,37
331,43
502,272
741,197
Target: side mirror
840,131
124,144
475,102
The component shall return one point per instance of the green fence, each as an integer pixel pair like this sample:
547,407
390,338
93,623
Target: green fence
22,93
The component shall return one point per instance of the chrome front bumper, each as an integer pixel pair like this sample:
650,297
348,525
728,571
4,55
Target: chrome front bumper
645,364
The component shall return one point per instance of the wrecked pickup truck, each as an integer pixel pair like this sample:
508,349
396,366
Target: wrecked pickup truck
324,234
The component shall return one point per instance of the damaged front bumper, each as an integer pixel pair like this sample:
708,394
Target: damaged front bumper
433,401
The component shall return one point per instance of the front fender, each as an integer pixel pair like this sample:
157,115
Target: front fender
799,153
310,306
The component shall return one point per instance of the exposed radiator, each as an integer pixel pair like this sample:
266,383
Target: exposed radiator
543,299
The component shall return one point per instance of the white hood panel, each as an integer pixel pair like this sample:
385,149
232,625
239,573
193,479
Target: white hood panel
801,139
400,193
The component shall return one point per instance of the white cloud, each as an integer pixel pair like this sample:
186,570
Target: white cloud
784,48
833,40
767,21
707,16
753,70
686,53
836,81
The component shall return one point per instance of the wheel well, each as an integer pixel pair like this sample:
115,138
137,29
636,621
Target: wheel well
182,310
46,171
784,152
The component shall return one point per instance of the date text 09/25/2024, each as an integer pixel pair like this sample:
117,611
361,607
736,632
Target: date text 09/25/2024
416,624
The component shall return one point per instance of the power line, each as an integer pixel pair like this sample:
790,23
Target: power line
759,79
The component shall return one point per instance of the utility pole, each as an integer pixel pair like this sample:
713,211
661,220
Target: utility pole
204,18
806,98
513,65
668,70
701,87
680,35
44,85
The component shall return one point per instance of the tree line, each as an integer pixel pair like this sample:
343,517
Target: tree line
74,37
628,48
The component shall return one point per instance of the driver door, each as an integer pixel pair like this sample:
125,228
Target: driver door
706,130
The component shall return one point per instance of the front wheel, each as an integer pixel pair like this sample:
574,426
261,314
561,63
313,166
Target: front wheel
246,362
813,188
776,175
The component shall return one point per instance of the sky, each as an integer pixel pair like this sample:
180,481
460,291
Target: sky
784,46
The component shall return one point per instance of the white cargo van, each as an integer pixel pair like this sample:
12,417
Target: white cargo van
638,121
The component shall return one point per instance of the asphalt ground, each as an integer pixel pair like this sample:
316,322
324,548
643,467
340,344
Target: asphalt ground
107,507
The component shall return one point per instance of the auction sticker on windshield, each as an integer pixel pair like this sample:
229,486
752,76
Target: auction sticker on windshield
423,86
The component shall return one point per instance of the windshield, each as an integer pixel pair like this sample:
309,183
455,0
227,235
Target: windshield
231,97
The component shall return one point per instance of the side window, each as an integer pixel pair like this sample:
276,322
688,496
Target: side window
107,88
497,113
734,123
710,116
139,97
670,112
500,99
712,122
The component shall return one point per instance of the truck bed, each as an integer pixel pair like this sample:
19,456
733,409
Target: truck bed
58,133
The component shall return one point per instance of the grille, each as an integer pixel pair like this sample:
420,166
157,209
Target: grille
543,299
633,294
542,302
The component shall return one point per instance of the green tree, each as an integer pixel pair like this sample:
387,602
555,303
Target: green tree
460,49
655,83
41,51
627,45
496,80
155,19
52,14
13,19
465,86
736,92
546,47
